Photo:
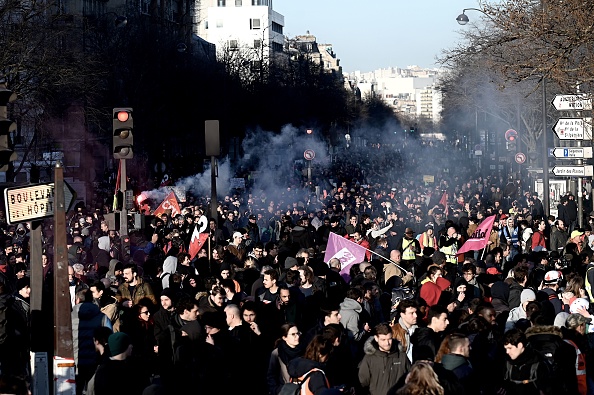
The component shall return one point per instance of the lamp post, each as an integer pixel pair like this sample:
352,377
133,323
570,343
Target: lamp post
463,19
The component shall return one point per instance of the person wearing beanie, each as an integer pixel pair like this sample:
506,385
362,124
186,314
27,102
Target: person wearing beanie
118,375
517,313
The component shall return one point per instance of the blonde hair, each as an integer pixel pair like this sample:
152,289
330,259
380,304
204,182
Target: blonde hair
421,380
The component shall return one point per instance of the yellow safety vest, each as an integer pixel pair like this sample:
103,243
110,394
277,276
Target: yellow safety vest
408,250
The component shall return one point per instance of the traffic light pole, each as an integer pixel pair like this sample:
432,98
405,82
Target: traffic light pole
124,211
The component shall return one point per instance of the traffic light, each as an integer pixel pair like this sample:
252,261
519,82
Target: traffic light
7,155
123,139
125,239
511,137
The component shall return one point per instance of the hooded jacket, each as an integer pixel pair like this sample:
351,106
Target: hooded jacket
169,267
380,371
86,317
349,313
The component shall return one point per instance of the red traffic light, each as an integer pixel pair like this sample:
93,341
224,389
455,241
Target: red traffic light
511,135
123,116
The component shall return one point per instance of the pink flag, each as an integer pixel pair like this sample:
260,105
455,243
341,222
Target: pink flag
348,252
196,242
479,239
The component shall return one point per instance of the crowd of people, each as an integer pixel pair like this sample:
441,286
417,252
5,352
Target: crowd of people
258,309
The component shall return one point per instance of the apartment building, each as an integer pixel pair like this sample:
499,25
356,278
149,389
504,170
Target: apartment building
251,27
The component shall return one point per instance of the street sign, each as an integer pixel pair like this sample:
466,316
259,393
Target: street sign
34,202
573,128
572,152
309,154
572,102
520,157
574,171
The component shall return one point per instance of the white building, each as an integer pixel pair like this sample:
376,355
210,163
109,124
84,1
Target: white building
251,27
409,91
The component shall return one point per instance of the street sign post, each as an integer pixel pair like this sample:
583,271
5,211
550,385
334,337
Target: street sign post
33,202
572,102
309,154
573,171
573,128
572,152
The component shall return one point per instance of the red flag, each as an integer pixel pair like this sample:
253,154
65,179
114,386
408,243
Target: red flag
348,252
479,239
170,203
444,202
196,242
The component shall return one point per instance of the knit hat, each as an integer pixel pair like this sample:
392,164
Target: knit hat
438,257
527,295
290,262
118,343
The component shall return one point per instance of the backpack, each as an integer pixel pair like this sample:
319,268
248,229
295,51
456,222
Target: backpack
531,380
294,387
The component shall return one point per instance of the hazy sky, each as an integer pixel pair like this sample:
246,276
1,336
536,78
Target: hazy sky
372,34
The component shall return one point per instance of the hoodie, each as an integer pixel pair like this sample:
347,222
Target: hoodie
169,267
349,317
380,371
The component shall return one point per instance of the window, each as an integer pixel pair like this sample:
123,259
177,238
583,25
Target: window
257,43
219,23
276,47
260,2
237,3
254,23
206,24
221,3
233,45
277,28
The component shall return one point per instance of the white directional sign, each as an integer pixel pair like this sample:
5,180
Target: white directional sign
574,171
573,128
572,152
34,202
572,102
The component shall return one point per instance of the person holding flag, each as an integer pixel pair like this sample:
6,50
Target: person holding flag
480,238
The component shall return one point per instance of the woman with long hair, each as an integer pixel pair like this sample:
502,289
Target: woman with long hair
287,348
421,380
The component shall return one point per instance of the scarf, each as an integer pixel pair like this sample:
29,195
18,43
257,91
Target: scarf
286,354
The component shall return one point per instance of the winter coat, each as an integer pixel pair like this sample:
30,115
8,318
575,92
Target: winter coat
461,367
514,316
380,371
141,290
349,317
519,378
86,317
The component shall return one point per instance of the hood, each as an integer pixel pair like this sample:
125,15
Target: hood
112,265
370,347
299,366
351,304
170,264
86,310
500,290
103,243
544,330
453,361
73,248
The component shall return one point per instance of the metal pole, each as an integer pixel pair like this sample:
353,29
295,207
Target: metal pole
124,211
63,350
213,189
545,151
578,187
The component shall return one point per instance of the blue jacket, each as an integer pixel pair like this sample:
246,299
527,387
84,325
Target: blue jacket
86,317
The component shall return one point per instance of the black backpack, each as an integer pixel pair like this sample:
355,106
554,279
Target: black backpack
294,387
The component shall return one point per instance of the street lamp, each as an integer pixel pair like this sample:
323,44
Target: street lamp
462,19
